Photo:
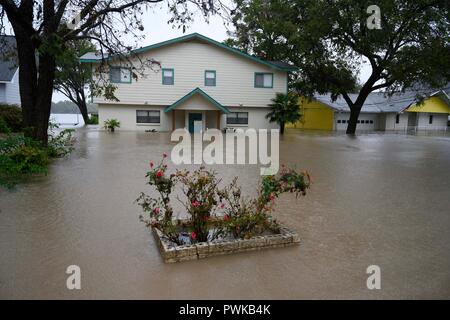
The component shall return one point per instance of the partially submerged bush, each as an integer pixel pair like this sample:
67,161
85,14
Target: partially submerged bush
214,212
21,156
111,124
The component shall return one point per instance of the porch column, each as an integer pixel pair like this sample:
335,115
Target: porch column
173,120
218,119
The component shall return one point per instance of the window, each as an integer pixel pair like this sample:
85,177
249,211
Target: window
147,116
120,75
430,120
371,121
263,80
339,121
210,78
167,76
237,118
367,121
397,118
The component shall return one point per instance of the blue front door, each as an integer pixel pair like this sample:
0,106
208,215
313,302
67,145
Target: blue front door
194,117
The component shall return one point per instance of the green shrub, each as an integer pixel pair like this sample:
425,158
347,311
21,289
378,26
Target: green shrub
61,144
4,127
111,124
93,119
21,157
12,117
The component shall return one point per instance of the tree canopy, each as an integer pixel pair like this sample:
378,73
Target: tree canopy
330,40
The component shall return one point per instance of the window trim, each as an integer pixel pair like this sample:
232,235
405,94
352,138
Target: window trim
215,78
237,117
262,73
148,123
173,76
120,70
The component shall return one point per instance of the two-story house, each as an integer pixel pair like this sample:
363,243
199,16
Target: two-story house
201,84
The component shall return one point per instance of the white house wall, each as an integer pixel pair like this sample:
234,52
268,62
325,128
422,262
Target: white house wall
439,121
256,119
12,93
235,77
126,114
390,121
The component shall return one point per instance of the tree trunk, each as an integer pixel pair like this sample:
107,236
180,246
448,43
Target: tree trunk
83,109
354,115
282,125
36,76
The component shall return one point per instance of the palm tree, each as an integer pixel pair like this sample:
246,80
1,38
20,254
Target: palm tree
284,109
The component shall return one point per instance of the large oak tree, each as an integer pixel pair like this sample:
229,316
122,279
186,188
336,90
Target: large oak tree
330,39
43,28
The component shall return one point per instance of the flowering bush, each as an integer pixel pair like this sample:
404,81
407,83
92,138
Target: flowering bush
215,212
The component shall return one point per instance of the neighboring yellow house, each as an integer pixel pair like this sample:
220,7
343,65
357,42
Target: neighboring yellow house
315,116
399,112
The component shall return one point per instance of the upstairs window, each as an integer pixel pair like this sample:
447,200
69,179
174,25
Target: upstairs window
147,116
430,120
210,78
120,75
397,118
167,76
263,80
237,118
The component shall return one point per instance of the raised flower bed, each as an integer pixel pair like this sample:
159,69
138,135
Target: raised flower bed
221,220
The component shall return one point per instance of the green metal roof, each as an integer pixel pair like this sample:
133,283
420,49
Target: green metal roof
203,94
200,37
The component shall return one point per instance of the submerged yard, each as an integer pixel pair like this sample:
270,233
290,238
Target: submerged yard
377,199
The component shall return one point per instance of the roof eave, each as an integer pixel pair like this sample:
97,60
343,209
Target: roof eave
203,94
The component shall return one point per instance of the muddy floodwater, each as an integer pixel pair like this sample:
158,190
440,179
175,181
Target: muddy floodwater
377,199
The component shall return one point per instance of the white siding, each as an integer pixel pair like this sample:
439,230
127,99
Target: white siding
391,122
126,114
234,77
12,94
439,121
256,119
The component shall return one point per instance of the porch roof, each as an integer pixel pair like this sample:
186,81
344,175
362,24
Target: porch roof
203,94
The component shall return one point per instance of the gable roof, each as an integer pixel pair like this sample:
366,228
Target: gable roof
282,66
379,102
192,93
8,58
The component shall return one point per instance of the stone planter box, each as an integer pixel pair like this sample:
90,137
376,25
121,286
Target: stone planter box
172,253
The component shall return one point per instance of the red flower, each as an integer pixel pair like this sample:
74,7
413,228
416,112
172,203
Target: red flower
205,218
151,164
221,205
156,210
271,197
195,203
193,235
164,155
159,174
226,217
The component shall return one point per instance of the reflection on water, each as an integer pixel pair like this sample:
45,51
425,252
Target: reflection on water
377,199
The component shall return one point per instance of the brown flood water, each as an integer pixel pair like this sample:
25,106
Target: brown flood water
377,199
